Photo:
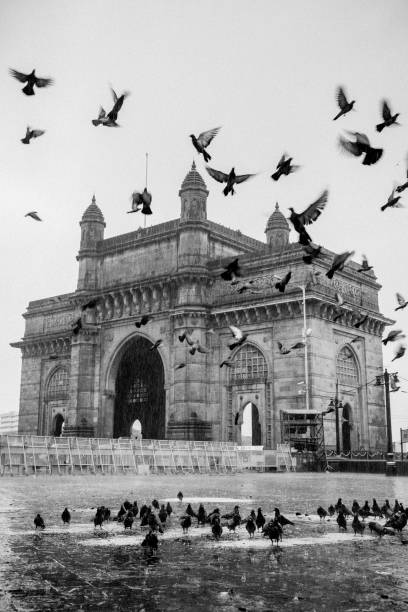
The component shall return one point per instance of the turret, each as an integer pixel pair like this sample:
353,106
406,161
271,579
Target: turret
193,194
277,230
92,231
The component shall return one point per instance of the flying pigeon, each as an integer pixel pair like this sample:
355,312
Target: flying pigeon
202,142
401,301
282,349
143,321
284,167
196,346
31,80
77,326
308,216
31,134
339,311
180,366
118,103
156,344
392,201
103,119
33,214
339,262
400,352
239,337
389,119
231,271
355,339
395,334
187,337
311,253
231,179
361,319
364,265
137,202
401,188
345,106
89,305
281,284
227,362
362,145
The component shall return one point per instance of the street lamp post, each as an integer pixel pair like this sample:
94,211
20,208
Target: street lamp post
336,405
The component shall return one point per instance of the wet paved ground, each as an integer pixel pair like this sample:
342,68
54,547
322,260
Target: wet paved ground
78,568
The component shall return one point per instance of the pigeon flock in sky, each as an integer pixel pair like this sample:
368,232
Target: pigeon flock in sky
360,146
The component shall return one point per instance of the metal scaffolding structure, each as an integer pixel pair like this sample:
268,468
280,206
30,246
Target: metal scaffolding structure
33,454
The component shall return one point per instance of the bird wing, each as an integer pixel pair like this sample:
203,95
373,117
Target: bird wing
364,260
341,98
236,332
102,113
240,178
20,76
400,299
350,147
386,111
189,339
281,161
339,299
314,210
206,137
361,138
217,175
44,82
298,345
391,196
36,133
115,97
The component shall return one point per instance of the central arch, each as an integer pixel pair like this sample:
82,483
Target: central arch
251,434
139,391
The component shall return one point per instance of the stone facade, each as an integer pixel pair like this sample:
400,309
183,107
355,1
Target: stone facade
171,272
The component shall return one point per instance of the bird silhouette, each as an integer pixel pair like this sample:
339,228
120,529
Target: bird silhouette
284,167
392,201
128,520
401,188
239,337
388,118
76,326
66,516
247,286
231,179
180,496
361,146
376,508
357,526
90,305
31,134
401,301
197,346
355,507
227,362
143,321
364,265
201,515
180,366
185,523
395,334
39,521
216,528
308,216
282,519
321,512
156,344
341,521
400,352
273,530
34,215
345,106
377,528
331,510
118,103
338,310
311,253
250,527
281,284
338,263
260,519
283,349
151,541
163,514
232,271
202,142
169,509
361,318
32,80
103,119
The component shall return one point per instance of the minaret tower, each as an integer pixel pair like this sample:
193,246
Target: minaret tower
92,231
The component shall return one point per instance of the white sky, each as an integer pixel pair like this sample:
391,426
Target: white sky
265,70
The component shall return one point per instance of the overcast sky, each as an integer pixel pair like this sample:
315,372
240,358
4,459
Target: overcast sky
264,70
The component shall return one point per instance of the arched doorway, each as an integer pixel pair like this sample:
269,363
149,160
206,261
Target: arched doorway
136,430
139,391
250,426
345,429
57,424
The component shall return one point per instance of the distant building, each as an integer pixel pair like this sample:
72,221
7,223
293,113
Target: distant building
101,379
8,423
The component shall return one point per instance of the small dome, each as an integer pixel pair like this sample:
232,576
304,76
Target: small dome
93,213
277,221
193,180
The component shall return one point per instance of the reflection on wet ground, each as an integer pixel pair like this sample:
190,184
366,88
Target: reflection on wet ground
79,568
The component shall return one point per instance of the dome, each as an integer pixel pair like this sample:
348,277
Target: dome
277,221
193,180
93,213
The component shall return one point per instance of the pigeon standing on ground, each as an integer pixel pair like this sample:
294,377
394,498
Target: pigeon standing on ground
388,117
39,521
231,179
361,146
357,525
31,80
321,512
339,261
284,167
66,516
392,201
34,215
308,216
345,106
31,134
239,337
201,143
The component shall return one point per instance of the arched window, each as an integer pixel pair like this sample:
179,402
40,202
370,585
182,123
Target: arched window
249,364
57,388
346,367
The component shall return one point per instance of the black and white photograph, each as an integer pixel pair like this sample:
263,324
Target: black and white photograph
204,236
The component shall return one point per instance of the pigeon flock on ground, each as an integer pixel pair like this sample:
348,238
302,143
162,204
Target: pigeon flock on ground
141,201
156,517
